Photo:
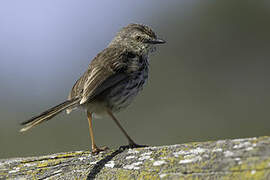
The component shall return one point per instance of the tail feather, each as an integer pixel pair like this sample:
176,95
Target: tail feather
50,113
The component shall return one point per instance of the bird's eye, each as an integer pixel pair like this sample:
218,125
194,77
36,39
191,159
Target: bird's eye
139,38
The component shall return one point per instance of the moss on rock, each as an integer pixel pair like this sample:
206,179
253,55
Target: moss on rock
224,159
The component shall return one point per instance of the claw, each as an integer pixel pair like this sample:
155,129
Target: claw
132,145
97,150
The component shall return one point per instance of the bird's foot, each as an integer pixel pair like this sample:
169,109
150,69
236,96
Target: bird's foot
132,145
96,150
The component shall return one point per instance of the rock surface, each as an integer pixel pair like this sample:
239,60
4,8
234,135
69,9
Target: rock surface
224,159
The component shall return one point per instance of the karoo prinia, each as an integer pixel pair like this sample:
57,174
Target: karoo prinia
112,80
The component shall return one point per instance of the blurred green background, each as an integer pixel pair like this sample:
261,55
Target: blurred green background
209,82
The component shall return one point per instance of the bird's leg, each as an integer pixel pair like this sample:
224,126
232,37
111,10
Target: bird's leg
131,143
95,149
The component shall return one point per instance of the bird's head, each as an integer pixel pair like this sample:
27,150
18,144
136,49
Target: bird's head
137,38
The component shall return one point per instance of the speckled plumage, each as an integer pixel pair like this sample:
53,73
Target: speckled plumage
112,80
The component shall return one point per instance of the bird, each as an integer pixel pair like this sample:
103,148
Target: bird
111,82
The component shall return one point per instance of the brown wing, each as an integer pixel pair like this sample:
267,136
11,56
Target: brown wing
106,69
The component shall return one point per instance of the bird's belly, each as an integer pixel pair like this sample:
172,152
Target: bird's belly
121,95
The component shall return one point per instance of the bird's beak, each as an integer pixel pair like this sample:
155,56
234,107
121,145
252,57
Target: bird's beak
156,41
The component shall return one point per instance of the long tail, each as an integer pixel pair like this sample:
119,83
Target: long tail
50,113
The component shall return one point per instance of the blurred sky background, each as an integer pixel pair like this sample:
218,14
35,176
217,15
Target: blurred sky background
210,81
